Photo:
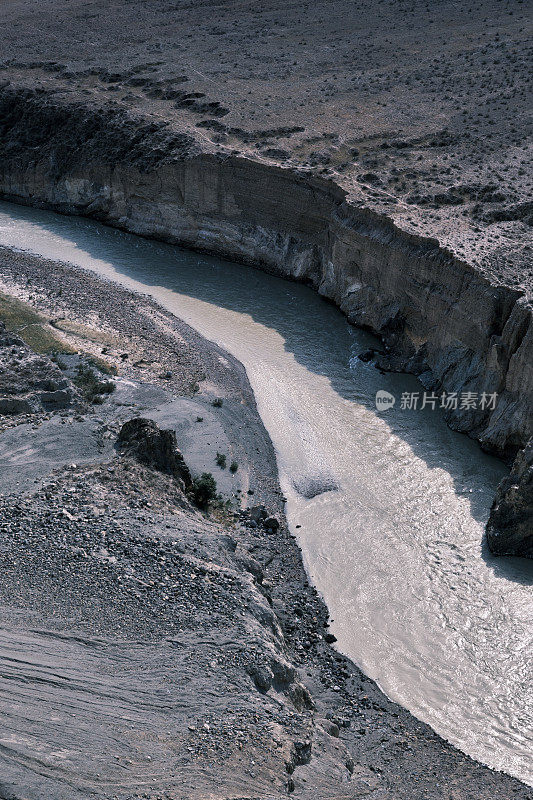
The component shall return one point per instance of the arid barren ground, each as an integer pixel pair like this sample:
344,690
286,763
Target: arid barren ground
420,110
378,151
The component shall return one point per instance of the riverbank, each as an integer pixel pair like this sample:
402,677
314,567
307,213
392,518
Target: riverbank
98,592
462,326
377,155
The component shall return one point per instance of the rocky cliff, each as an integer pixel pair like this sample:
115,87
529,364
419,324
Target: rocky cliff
510,526
439,317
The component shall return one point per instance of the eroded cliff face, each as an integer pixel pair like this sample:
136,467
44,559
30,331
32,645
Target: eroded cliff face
439,317
510,525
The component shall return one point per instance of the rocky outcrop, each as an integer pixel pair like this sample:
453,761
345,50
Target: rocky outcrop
439,317
510,526
30,382
143,439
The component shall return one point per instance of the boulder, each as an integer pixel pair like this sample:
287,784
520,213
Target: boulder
59,398
271,524
257,514
145,441
15,405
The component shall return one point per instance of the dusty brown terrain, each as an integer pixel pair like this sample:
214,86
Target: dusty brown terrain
419,110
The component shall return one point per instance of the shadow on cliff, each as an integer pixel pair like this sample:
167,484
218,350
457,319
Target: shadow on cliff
512,568
313,330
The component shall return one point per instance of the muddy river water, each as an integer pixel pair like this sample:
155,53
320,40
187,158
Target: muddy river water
390,504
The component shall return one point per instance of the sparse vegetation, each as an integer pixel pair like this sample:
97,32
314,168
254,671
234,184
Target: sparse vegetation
34,328
92,387
221,460
204,490
38,332
102,366
57,360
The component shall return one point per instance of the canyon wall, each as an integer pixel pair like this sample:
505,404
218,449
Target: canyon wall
438,316
510,527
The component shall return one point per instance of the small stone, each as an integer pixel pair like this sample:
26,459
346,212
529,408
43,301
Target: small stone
257,513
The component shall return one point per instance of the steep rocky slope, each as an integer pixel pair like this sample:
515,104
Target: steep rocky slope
418,110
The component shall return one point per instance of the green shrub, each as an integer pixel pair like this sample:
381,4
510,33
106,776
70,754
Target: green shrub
204,490
101,365
233,467
221,460
217,402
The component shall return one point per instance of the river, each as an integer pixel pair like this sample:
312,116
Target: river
388,506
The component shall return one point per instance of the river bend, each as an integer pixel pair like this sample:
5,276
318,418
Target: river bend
389,507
